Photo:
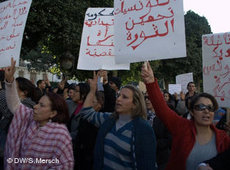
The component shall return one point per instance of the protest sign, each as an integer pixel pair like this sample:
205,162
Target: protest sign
13,15
148,30
184,79
97,42
174,88
216,66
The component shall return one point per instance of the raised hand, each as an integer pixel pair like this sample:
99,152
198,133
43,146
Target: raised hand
147,73
47,80
9,71
182,96
93,87
93,82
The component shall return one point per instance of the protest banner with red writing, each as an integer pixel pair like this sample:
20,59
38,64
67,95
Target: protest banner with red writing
148,30
97,42
216,66
13,15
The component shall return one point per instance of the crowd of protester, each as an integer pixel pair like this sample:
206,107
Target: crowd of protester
84,127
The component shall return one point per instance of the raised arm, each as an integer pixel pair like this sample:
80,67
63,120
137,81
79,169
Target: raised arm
12,97
87,112
167,116
91,95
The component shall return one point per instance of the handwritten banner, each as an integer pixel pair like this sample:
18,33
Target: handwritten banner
13,15
97,43
216,66
149,30
174,88
184,79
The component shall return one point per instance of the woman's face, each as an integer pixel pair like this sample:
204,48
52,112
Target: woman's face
43,111
71,93
191,87
166,97
203,112
76,95
124,102
42,85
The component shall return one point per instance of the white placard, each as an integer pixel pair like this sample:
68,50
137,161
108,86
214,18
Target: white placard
13,15
174,88
148,30
184,79
216,66
97,42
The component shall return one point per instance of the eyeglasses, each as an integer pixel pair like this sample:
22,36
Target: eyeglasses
202,107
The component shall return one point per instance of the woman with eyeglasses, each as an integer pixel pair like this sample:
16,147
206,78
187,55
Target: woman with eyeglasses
194,140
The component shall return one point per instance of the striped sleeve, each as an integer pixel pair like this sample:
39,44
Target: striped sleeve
96,118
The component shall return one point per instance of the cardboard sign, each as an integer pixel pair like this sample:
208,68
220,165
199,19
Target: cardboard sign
148,30
97,42
174,88
216,66
184,79
13,15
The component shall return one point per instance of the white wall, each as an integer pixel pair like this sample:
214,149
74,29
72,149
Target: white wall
39,75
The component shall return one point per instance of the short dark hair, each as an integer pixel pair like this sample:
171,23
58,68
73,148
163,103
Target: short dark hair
191,82
170,95
58,104
39,82
27,86
116,80
205,95
72,86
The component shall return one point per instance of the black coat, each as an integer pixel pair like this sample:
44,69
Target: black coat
221,161
164,140
110,98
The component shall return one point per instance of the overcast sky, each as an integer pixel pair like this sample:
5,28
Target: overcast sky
216,12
